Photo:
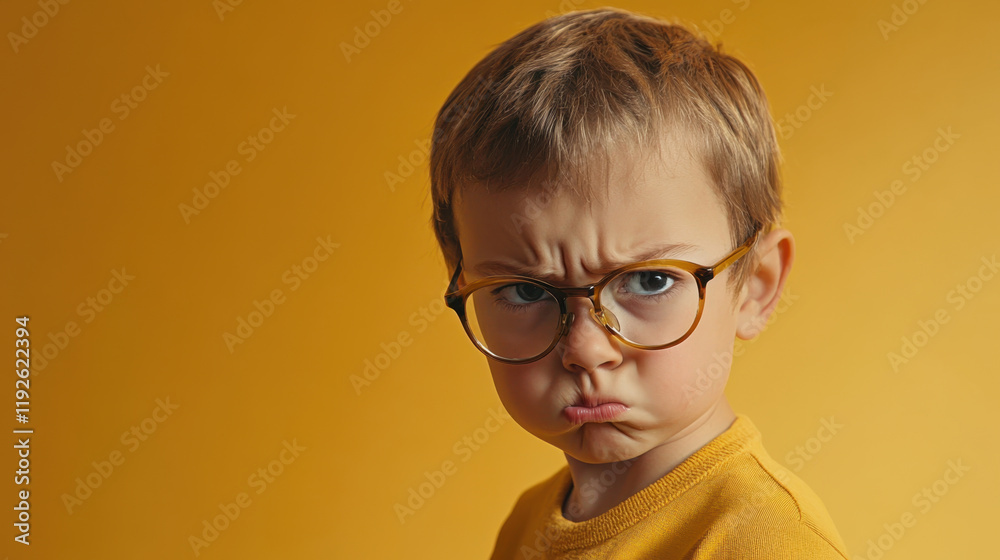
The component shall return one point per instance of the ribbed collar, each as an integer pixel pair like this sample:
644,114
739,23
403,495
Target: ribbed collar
569,535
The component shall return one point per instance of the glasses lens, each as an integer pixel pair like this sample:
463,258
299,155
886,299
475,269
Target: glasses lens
654,306
515,321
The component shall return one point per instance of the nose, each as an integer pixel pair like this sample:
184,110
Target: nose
587,345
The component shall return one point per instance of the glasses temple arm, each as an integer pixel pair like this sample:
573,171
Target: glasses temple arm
453,285
736,255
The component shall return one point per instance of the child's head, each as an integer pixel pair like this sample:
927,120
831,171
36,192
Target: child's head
588,142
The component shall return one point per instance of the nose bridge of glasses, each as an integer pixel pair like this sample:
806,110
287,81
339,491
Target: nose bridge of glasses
584,291
601,315
603,318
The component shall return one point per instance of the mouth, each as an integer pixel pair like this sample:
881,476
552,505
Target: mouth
594,410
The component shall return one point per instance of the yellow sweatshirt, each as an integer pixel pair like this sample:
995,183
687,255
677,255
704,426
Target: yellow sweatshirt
728,500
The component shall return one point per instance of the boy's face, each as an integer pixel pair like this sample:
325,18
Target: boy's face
668,392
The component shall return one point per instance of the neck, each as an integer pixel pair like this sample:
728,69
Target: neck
599,487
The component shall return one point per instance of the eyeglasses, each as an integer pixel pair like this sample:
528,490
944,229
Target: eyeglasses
649,305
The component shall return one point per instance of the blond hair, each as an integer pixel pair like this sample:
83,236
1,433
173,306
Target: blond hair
549,105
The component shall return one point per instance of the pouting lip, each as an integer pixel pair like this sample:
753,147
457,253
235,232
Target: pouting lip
601,413
591,401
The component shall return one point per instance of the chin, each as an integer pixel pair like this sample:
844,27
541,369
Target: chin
597,444
605,457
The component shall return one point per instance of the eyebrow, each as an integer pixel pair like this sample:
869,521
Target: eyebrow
486,269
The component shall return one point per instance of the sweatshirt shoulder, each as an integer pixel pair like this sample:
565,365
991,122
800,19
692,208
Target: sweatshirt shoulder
771,511
543,493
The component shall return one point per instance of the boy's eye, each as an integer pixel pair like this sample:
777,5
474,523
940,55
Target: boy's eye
648,282
522,293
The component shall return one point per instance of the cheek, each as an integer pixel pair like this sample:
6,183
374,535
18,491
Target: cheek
712,345
695,371
522,390
719,315
668,376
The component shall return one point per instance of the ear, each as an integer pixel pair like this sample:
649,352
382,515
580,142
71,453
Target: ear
762,289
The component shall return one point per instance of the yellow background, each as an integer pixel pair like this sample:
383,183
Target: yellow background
826,354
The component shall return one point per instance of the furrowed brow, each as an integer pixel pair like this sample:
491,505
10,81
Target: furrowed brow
486,269
663,252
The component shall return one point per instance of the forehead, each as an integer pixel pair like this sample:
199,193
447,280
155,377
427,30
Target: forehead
641,205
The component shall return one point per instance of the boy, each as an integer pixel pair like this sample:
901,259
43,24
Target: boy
606,192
